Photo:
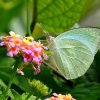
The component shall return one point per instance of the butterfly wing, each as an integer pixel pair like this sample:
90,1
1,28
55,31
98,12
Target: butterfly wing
74,51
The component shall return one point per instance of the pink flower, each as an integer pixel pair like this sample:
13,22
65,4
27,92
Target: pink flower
1,37
60,97
2,44
26,49
27,57
12,51
30,50
37,71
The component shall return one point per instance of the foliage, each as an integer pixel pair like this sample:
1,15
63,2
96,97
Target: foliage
57,16
88,91
71,51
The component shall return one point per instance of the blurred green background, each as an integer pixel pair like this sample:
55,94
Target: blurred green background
54,16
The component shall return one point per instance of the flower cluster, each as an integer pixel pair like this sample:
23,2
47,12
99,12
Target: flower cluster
30,50
60,97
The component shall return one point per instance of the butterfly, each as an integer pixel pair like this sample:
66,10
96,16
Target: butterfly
73,52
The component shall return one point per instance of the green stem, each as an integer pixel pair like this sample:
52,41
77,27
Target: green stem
28,17
10,83
11,78
34,15
31,93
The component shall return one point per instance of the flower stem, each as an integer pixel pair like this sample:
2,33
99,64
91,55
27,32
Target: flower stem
11,78
10,83
28,17
31,93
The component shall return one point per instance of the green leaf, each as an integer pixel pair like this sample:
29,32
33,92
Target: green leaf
3,88
89,91
24,95
3,84
38,31
17,96
74,51
22,83
57,16
6,64
2,97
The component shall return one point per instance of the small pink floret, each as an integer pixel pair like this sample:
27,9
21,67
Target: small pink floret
2,44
